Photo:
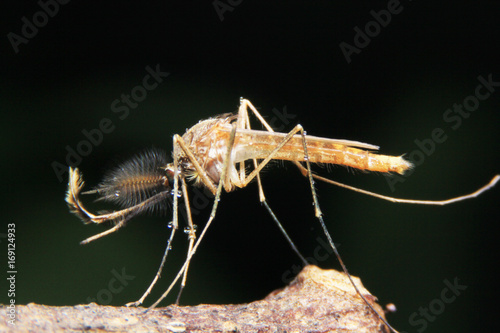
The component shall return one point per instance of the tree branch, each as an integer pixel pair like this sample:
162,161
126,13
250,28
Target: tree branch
315,301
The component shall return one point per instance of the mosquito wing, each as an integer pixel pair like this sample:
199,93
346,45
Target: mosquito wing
327,141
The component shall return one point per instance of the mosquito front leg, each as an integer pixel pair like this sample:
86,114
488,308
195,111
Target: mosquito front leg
191,231
178,143
174,226
212,215
158,273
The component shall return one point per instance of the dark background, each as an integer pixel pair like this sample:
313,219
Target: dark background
276,54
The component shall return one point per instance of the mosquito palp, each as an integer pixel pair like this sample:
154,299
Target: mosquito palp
212,154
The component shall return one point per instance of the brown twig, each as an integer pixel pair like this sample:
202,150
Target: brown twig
315,301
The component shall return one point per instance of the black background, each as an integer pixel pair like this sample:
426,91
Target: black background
277,54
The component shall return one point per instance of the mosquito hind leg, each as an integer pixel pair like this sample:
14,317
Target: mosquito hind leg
319,215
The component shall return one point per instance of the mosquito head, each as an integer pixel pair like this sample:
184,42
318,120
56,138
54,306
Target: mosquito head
169,174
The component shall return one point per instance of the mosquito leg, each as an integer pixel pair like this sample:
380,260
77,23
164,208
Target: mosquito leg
271,155
179,143
244,103
158,273
122,216
120,224
474,194
318,212
212,215
283,231
493,181
319,216
244,122
191,230
175,226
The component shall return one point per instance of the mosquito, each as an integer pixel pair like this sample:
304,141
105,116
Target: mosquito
218,154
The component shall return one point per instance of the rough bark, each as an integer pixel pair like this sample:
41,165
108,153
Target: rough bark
315,301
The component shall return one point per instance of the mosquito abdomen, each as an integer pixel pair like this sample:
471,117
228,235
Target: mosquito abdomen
358,158
320,150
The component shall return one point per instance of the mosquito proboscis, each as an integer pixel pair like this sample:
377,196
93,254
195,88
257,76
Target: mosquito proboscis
212,154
